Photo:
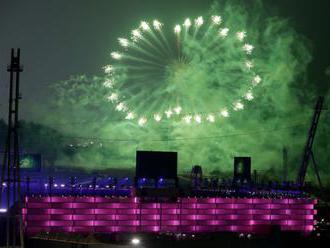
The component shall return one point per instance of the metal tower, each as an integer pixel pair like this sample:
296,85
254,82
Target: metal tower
10,173
308,152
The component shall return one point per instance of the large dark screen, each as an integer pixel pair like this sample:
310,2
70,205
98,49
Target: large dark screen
155,164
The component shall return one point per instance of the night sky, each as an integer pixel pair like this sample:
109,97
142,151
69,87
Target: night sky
60,38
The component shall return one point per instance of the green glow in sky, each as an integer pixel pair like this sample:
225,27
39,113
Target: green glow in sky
202,75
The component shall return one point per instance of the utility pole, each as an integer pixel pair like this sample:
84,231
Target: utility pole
10,172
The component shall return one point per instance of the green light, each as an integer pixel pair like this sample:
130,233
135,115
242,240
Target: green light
205,76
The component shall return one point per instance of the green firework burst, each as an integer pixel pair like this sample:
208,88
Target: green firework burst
198,71
278,116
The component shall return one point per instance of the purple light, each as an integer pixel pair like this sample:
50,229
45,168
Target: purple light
3,210
190,215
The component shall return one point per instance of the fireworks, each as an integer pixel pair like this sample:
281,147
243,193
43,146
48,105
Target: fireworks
121,107
223,32
249,64
177,29
168,113
210,118
157,67
201,72
157,117
123,42
108,83
241,35
198,119
187,23
113,97
256,80
142,121
187,119
199,21
116,55
136,34
145,26
108,69
249,96
157,25
224,113
248,48
177,110
130,116
216,20
238,106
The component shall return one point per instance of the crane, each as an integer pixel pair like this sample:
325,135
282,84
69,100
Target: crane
308,150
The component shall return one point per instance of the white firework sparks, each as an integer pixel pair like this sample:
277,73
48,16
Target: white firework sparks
168,113
241,35
108,69
248,48
249,64
216,20
210,118
121,107
256,80
199,21
157,117
143,32
116,55
177,29
113,97
249,96
142,121
238,106
223,32
198,119
178,110
108,83
187,23
136,34
130,116
145,26
123,42
157,24
187,119
224,113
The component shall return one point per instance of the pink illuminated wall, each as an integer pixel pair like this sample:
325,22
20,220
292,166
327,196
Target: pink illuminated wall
101,214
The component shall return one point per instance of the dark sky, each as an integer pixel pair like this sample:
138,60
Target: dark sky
60,38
